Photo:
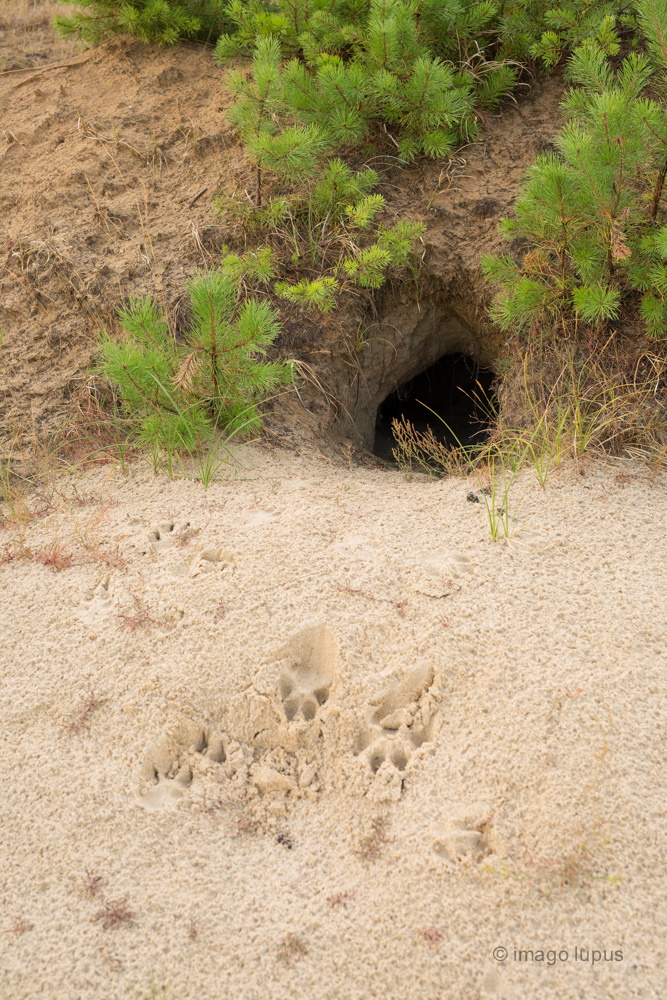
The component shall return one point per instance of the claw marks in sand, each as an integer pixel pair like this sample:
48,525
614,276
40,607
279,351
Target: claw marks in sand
398,722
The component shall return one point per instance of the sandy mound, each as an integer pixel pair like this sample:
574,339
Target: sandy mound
311,734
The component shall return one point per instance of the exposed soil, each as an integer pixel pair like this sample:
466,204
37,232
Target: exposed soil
107,176
111,159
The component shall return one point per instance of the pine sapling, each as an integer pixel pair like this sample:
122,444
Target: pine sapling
176,394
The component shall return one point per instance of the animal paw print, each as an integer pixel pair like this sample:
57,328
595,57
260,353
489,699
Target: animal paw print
98,602
306,679
302,695
212,560
466,837
163,536
168,769
439,573
209,560
391,750
401,719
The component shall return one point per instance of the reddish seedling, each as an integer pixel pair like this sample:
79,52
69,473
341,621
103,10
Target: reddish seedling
82,719
9,553
91,884
371,845
106,557
54,556
293,949
340,899
19,926
433,937
114,913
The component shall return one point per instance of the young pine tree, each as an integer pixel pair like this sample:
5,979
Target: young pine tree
164,22
259,115
176,394
594,242
425,69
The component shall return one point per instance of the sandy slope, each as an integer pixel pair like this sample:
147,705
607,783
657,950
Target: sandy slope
484,722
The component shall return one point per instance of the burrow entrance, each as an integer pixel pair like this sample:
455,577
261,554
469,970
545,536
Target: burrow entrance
456,389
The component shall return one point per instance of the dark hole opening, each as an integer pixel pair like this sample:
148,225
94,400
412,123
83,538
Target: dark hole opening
455,388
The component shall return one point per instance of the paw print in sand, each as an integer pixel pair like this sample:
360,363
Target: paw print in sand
400,720
167,770
164,535
308,673
467,836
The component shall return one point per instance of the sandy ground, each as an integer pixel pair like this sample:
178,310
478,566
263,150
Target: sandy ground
311,734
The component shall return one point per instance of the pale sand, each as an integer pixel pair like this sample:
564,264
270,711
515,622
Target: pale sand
513,710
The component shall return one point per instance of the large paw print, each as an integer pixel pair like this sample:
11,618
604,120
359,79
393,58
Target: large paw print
400,720
308,674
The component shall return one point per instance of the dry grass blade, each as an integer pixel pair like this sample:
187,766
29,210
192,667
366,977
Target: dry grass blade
37,71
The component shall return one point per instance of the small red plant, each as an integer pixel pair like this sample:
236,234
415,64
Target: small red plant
372,844
20,926
82,719
293,949
114,914
340,899
399,605
106,557
91,884
54,556
433,937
